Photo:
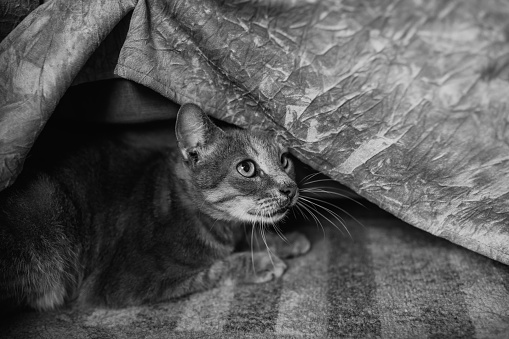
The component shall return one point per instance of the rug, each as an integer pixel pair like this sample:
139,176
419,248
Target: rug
385,279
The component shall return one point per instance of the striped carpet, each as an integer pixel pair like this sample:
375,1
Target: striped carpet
388,280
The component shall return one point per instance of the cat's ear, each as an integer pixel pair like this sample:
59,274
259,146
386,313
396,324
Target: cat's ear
195,132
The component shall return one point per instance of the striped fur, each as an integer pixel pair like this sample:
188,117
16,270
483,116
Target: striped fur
109,224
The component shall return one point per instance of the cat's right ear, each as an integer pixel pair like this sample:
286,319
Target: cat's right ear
195,132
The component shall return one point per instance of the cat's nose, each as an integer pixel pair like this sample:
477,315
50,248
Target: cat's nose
289,191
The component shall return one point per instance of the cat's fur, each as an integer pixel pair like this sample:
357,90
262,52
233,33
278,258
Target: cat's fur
112,225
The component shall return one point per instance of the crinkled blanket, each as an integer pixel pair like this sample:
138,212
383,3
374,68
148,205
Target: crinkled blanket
405,102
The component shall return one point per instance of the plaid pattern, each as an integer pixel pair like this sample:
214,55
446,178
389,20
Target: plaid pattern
388,280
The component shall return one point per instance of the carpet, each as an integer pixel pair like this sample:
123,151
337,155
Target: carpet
384,280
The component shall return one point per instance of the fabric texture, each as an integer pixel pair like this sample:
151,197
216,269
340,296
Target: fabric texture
388,280
404,102
12,12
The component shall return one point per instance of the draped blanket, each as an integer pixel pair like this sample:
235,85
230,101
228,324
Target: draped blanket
405,102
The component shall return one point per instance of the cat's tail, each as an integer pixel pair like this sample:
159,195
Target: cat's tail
38,261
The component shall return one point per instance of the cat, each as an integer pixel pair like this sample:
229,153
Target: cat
112,225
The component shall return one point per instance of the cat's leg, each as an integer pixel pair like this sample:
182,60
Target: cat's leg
121,286
238,268
286,245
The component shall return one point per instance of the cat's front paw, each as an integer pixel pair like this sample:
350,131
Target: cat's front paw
266,268
296,244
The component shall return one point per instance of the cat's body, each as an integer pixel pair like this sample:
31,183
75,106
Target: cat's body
112,225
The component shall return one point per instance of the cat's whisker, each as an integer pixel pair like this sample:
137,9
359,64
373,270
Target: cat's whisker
269,251
325,191
302,204
293,213
280,233
339,208
327,209
309,182
316,203
252,243
334,214
317,220
212,226
314,207
309,176
300,211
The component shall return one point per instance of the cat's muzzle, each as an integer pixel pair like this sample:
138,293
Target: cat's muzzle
284,205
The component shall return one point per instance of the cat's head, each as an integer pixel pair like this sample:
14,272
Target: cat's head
236,174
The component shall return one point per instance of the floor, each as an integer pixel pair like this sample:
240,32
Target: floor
380,279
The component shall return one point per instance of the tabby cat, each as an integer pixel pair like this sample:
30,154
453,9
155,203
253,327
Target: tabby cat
115,226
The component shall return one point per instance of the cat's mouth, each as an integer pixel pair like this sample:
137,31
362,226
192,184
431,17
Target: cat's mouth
272,210
281,211
270,216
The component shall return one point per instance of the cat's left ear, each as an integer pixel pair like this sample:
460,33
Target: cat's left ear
196,133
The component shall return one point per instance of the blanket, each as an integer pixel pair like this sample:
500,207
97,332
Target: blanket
405,102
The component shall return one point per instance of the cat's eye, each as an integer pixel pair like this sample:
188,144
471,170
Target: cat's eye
246,168
285,161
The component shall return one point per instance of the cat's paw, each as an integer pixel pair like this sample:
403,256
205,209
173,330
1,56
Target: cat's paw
265,268
296,244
